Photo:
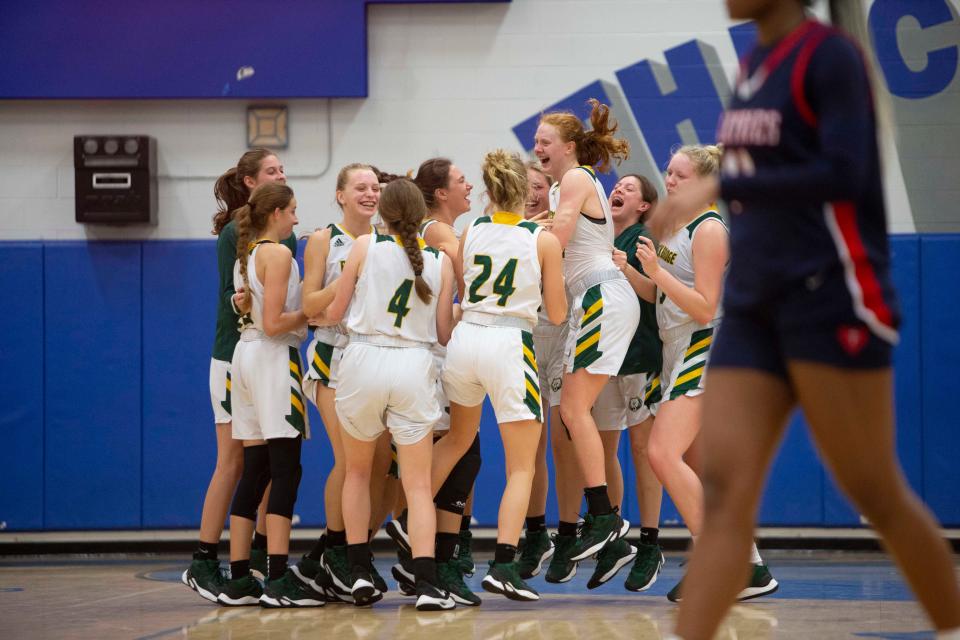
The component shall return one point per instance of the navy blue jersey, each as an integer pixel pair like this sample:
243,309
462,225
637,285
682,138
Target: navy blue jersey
801,172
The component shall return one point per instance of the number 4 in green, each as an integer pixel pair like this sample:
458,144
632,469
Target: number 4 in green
398,303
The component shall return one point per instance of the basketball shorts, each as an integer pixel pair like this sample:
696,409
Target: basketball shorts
220,390
621,402
267,392
686,350
603,320
549,342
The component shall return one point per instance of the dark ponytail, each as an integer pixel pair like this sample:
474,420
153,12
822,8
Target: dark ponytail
230,191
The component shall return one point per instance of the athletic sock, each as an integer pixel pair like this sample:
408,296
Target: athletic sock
425,569
598,501
536,524
205,551
567,528
317,552
336,538
239,569
649,535
259,541
465,522
276,565
358,555
504,553
446,545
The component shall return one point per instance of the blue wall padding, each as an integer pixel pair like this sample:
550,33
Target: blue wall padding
21,386
940,351
179,441
104,400
92,355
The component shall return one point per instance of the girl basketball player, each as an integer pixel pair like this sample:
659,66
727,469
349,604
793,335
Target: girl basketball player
548,343
232,190
686,277
504,260
810,315
628,400
269,413
402,295
358,196
604,312
446,192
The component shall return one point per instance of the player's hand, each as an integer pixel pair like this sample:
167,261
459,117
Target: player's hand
242,302
647,255
544,219
320,320
620,259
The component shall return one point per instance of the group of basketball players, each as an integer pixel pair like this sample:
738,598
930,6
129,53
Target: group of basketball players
561,300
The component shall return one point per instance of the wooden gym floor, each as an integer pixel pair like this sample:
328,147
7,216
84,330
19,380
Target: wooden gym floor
822,595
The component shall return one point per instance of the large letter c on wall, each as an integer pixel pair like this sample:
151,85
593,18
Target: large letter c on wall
941,65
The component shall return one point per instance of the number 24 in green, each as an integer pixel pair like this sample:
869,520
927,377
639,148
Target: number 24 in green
502,284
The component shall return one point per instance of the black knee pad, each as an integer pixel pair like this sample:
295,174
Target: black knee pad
285,472
253,482
452,496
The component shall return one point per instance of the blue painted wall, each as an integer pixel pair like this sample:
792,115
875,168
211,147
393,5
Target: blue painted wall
105,414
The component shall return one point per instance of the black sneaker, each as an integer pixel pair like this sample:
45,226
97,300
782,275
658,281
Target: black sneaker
645,568
562,568
205,577
610,560
503,578
290,591
430,598
240,592
312,573
450,578
397,530
596,532
406,583
362,589
335,562
537,549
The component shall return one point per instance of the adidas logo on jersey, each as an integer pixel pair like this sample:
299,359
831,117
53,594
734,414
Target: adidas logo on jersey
338,242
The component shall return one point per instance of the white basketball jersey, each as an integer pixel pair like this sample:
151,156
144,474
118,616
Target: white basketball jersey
341,242
590,248
676,256
501,269
292,303
386,302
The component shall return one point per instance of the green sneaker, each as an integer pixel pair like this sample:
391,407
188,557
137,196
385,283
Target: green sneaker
465,553
562,568
258,563
761,583
537,549
596,532
240,592
335,562
205,577
450,578
290,591
378,580
312,573
611,559
503,578
645,568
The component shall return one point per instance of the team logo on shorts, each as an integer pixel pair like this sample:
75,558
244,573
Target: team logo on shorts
555,384
852,338
635,404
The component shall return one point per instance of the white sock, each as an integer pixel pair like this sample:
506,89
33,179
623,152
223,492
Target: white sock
755,554
949,634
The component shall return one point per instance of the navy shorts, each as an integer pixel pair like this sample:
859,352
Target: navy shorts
814,321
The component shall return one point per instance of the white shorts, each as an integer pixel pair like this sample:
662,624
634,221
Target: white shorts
493,361
603,320
439,353
267,391
549,343
220,391
387,388
621,402
685,355
323,365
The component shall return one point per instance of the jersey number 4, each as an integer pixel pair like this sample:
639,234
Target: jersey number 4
399,302
502,284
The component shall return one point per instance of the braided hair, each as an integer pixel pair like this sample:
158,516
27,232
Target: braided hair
403,208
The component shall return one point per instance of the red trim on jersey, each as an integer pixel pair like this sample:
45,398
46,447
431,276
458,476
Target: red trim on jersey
800,73
780,52
846,217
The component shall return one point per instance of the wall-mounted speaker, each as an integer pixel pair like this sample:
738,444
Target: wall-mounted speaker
116,179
